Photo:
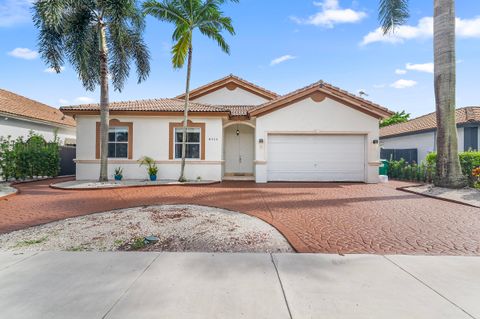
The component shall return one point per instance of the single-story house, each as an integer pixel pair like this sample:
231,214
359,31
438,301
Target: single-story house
413,140
238,130
20,115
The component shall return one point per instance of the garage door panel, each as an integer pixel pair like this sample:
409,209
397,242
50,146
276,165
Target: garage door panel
316,158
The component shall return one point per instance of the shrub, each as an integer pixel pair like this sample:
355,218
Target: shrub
425,171
34,157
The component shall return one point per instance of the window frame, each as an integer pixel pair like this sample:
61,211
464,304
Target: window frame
199,143
115,142
116,123
190,124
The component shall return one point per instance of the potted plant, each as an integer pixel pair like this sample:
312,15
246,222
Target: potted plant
152,168
118,173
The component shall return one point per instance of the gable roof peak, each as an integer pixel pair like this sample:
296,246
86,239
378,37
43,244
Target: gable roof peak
228,80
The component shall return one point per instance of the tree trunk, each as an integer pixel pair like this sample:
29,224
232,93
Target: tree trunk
185,116
104,113
449,173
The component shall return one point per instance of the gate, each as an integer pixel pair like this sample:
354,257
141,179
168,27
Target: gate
409,155
67,165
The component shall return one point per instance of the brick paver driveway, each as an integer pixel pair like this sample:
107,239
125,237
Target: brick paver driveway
329,218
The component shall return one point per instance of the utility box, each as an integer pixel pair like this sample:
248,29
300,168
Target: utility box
383,169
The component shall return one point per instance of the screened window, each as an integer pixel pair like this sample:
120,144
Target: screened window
193,143
118,142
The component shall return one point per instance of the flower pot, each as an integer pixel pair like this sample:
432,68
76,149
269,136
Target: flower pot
153,178
118,177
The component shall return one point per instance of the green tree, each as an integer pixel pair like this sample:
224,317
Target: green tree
398,117
393,13
100,39
188,16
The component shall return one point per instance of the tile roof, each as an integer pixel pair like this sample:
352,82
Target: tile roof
177,104
151,105
429,122
331,89
230,79
17,105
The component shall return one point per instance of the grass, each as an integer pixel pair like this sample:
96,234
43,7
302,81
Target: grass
76,248
138,243
26,243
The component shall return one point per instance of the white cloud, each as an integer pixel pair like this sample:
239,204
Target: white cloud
400,71
23,53
421,67
330,14
63,102
465,28
14,12
282,59
52,70
402,84
468,28
83,100
379,86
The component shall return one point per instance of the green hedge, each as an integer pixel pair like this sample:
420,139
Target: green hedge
425,171
20,159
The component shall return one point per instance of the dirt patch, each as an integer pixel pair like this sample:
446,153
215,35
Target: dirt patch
177,227
469,196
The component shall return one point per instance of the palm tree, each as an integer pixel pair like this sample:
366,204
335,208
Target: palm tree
393,13
100,39
188,16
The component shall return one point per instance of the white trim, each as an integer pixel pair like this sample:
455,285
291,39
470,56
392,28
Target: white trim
120,161
230,123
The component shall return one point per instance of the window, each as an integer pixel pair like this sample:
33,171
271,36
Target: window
470,135
118,142
193,143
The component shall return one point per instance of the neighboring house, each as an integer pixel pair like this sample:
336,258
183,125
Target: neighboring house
238,130
413,140
20,115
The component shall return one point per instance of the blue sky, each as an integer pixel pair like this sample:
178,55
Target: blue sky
281,45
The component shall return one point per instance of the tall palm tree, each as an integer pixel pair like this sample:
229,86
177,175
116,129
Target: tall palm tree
100,39
189,16
393,13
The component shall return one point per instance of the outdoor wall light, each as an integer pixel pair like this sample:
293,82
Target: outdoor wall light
238,132
260,140
375,141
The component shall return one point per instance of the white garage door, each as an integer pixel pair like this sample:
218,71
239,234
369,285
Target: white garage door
316,158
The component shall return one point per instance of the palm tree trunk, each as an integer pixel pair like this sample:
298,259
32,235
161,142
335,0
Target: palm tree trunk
185,116
104,113
449,173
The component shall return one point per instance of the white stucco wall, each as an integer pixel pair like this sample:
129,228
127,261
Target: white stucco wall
150,138
423,142
16,127
309,116
225,96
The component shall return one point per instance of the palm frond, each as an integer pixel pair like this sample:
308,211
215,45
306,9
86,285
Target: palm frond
392,13
180,50
168,11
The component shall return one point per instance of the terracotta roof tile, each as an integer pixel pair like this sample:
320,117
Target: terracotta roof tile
14,104
334,90
151,105
429,122
227,79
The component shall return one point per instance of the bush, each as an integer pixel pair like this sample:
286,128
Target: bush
403,170
34,157
425,172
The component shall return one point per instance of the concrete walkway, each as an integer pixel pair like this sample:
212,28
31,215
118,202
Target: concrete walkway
196,285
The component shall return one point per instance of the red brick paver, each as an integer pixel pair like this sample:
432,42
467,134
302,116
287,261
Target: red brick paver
328,218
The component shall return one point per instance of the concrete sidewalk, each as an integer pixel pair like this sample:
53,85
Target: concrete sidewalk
195,285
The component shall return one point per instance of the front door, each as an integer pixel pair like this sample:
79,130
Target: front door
239,150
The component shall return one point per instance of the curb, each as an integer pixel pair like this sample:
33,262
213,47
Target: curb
404,189
130,186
